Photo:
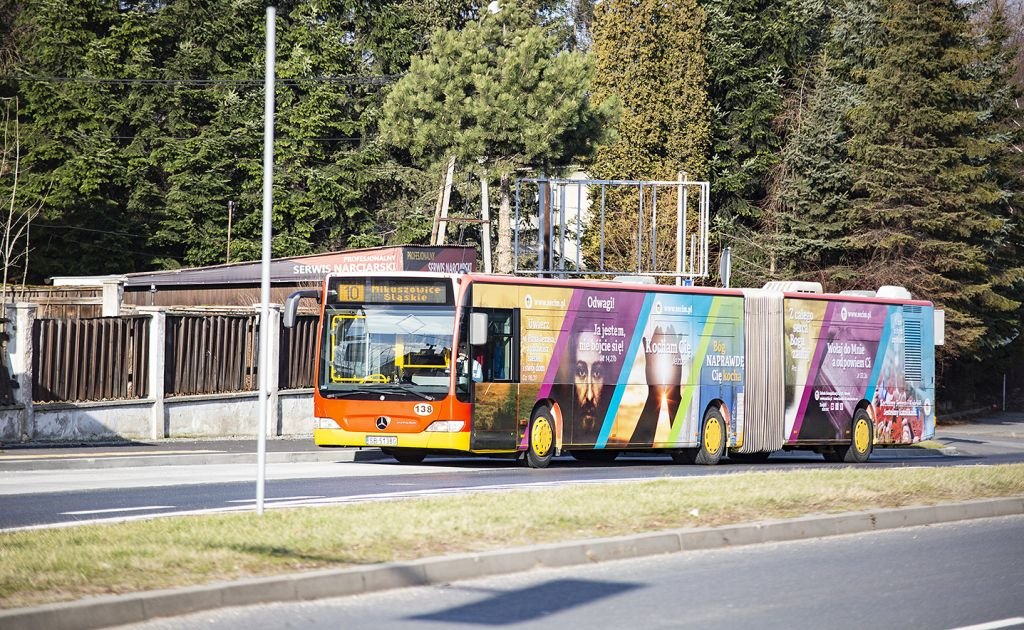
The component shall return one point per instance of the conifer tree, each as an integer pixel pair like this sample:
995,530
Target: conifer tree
143,119
650,55
756,51
925,193
498,93
803,216
1002,140
76,135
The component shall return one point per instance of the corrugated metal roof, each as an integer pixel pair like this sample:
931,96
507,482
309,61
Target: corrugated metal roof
448,259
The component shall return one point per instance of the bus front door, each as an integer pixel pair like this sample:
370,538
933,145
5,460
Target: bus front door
496,397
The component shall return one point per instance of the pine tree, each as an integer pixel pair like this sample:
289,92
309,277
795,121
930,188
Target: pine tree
75,138
1002,143
925,194
650,56
498,94
159,126
803,216
756,51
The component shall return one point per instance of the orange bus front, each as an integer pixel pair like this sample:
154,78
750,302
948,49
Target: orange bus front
386,374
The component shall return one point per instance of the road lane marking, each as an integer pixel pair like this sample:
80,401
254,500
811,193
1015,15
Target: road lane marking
115,510
319,496
992,625
4,458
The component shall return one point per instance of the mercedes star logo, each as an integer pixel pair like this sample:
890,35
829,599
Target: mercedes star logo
382,422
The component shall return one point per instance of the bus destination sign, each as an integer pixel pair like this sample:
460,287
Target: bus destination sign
390,291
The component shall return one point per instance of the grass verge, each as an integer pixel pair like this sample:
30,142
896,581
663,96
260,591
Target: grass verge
43,566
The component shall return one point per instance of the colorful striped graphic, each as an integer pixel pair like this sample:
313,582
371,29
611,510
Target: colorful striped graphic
632,368
635,369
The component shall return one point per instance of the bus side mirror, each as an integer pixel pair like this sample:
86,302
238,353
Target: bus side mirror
477,329
291,305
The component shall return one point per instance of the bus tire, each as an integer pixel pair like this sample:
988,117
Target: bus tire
406,455
542,440
713,436
596,456
861,440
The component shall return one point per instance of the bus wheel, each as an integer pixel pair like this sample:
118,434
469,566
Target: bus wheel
712,438
542,440
597,456
859,448
406,455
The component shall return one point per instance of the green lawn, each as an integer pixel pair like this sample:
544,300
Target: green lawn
42,566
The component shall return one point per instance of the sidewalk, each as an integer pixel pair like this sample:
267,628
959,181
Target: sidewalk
176,452
994,433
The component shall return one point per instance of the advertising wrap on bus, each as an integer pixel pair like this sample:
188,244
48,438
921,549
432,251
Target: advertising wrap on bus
840,353
423,363
627,368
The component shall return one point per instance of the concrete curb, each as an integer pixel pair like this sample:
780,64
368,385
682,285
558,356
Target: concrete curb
915,451
100,612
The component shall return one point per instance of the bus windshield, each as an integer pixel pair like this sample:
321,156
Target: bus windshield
398,351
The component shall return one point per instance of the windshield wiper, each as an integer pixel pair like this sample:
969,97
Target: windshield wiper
331,393
403,389
374,390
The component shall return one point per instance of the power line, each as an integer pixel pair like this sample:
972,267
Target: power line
383,79
122,250
47,226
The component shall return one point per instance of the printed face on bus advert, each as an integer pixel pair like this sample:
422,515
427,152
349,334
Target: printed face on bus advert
589,378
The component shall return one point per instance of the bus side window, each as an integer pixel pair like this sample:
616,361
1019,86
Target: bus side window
500,350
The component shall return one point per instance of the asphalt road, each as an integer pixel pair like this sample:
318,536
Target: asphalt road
41,498
31,498
935,577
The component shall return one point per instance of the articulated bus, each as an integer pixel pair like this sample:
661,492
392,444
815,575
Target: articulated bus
418,364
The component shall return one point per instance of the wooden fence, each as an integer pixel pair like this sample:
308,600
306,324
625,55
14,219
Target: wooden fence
59,302
90,359
297,367
209,354
77,360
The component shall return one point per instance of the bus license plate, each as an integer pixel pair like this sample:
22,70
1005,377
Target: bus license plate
382,440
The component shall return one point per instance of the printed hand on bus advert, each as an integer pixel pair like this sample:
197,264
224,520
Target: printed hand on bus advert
663,361
664,370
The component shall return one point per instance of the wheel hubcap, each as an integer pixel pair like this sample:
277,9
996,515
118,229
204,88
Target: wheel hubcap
861,436
712,435
541,436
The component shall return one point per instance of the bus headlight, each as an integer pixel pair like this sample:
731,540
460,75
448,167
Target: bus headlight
324,423
446,426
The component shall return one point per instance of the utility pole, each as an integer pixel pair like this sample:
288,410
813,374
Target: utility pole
231,208
268,225
485,218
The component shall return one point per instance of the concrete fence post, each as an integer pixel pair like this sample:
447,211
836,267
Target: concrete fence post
113,292
273,370
21,352
157,335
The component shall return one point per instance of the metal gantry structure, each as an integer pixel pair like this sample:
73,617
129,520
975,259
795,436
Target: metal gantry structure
555,217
